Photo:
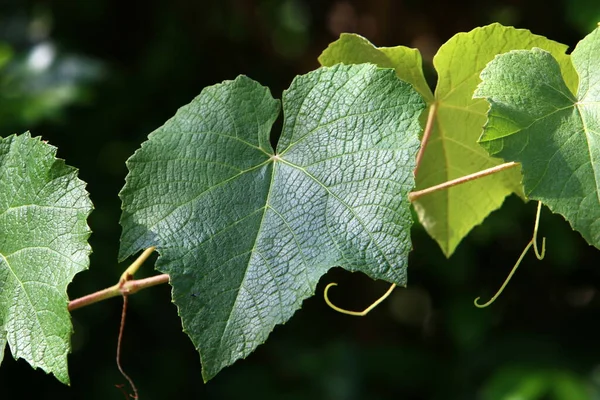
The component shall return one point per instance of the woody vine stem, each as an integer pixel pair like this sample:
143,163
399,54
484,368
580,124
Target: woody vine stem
127,285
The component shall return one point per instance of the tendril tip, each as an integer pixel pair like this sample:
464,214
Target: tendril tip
355,313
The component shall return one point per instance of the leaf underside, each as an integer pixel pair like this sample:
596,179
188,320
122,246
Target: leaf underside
244,232
43,244
452,150
536,119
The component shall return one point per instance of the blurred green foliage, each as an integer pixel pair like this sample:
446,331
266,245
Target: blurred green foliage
39,84
584,14
145,59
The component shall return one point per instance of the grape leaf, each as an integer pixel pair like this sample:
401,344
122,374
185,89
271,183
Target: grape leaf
245,232
452,150
355,49
43,244
536,119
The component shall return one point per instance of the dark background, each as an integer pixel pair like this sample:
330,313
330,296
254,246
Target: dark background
119,69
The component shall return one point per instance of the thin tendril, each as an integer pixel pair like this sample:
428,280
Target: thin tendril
121,328
512,272
535,232
356,313
532,242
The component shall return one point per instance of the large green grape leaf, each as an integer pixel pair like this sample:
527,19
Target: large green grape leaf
245,232
43,244
536,119
452,150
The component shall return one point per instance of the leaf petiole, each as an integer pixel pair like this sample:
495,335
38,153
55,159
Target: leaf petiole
412,196
426,134
132,269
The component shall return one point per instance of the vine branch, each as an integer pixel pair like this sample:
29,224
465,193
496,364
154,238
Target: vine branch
129,287
125,286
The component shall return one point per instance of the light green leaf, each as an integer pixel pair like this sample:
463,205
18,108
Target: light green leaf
536,120
43,244
355,49
245,232
452,150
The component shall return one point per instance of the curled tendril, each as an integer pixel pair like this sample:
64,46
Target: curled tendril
356,313
512,272
532,242
539,255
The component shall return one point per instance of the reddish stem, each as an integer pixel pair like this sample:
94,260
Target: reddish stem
426,134
119,340
412,196
123,288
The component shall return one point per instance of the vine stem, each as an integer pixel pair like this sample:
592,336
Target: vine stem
412,196
129,287
426,134
125,286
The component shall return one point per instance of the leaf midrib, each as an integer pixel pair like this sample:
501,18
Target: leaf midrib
250,253
329,192
260,228
587,139
207,190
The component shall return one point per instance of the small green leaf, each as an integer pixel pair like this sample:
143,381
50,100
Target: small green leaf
536,120
43,244
244,232
452,150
